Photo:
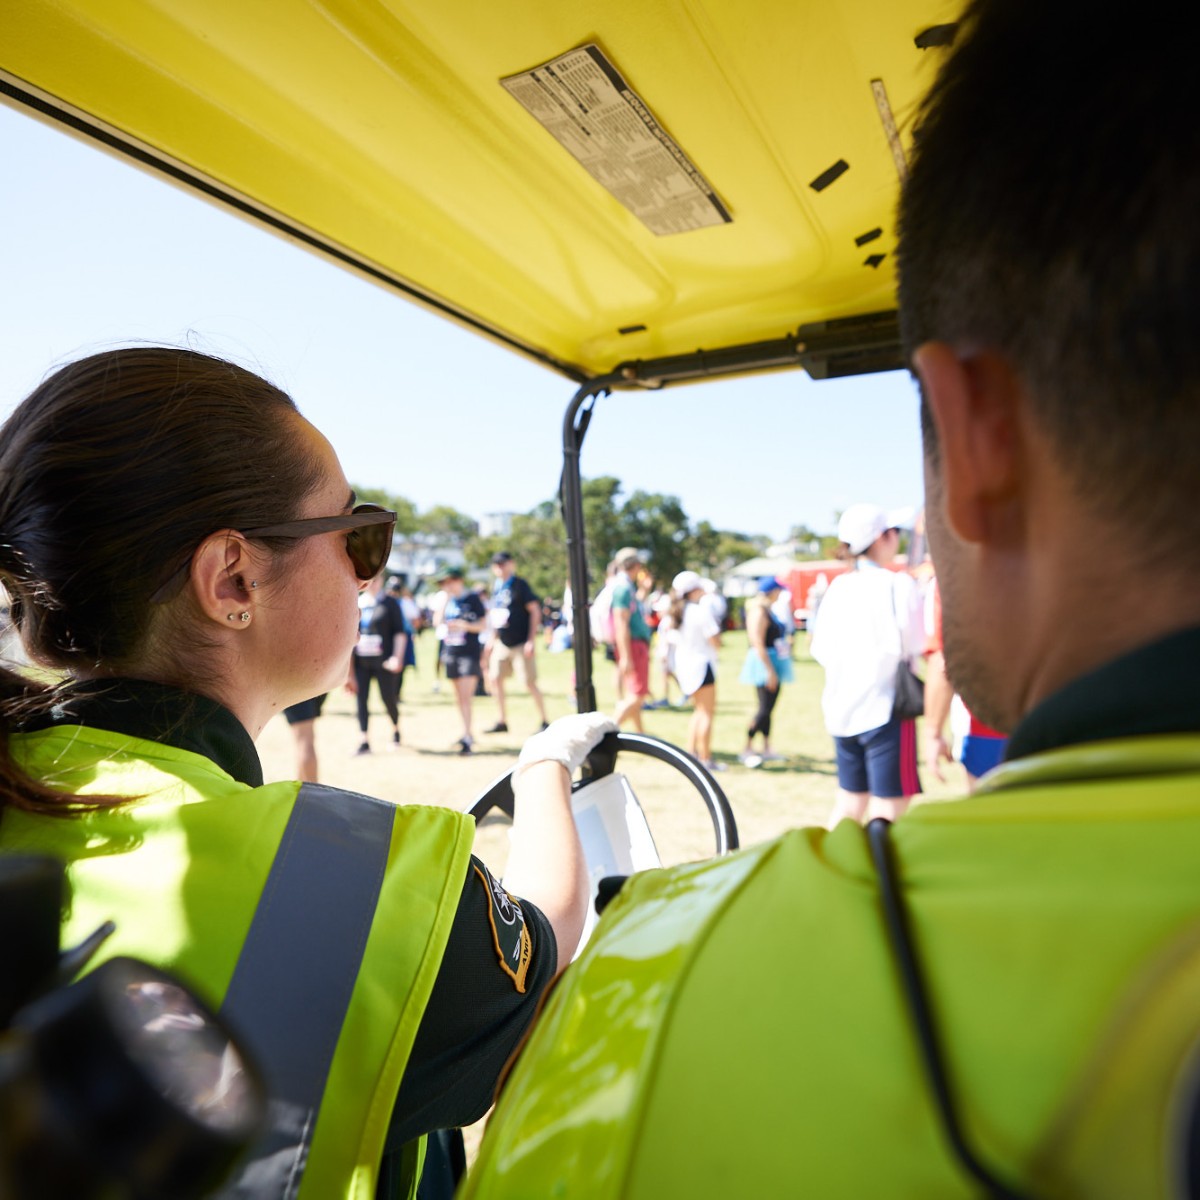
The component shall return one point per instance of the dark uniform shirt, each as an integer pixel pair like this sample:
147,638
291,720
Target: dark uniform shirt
476,1015
1154,689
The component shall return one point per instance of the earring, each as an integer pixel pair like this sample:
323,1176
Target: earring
253,583
244,617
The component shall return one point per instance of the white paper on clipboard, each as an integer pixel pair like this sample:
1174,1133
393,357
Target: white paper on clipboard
616,839
584,103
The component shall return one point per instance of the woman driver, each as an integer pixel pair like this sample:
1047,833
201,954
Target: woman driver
181,548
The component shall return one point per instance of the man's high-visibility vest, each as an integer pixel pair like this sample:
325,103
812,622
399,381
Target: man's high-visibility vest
739,1027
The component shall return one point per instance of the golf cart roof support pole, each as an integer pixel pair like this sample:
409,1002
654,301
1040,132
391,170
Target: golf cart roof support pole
575,423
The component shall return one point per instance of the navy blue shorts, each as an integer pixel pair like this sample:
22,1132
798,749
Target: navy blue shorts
870,762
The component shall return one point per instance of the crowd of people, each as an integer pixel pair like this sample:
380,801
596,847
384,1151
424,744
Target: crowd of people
882,615
884,612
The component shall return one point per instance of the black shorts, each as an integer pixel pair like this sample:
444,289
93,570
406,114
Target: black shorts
306,710
461,663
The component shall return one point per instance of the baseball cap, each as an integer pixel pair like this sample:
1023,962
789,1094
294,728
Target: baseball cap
627,554
501,556
860,525
452,573
768,583
686,581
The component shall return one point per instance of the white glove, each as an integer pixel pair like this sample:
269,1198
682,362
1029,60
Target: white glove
568,741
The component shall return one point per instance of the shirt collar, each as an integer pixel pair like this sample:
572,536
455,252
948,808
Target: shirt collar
1154,689
159,713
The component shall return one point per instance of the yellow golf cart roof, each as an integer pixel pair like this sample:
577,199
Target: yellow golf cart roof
594,184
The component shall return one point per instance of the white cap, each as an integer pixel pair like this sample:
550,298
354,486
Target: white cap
902,518
860,525
686,581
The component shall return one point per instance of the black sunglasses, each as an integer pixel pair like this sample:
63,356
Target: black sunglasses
369,529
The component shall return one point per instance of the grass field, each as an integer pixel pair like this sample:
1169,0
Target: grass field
428,769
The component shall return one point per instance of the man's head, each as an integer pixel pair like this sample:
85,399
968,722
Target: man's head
452,580
1050,216
1049,263
502,564
629,560
860,527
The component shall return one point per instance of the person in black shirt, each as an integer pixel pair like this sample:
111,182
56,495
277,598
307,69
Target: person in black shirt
465,619
516,617
383,638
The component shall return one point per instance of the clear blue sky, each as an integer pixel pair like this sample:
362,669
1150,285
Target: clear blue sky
97,253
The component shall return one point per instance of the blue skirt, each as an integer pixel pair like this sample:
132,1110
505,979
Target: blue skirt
755,674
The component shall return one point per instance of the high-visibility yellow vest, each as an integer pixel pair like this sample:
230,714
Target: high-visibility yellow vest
315,920
738,1027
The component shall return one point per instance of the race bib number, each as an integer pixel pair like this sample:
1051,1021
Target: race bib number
514,947
370,643
499,618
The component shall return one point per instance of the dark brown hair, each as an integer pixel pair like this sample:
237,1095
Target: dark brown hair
112,472
1050,215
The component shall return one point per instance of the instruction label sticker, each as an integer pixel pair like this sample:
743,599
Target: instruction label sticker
584,103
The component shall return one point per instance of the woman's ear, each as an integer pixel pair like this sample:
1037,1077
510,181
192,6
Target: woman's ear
974,402
224,578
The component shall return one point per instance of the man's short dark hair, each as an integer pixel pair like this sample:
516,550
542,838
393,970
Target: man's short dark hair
1052,213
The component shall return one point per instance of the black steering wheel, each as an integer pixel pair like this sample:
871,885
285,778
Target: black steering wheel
602,761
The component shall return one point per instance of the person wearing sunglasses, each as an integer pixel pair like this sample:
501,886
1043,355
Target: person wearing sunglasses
184,557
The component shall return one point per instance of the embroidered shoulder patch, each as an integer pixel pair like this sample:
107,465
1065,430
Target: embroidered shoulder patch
514,947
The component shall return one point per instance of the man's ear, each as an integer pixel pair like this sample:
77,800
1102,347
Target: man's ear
224,578
974,401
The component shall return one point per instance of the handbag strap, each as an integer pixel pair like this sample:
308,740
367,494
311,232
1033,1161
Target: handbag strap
904,658
921,1015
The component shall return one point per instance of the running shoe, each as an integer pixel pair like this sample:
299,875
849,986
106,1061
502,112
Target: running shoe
499,727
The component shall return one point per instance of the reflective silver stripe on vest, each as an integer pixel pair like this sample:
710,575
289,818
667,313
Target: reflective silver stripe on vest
291,987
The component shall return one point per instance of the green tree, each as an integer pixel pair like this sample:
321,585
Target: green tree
602,525
537,546
714,552
657,524
447,524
